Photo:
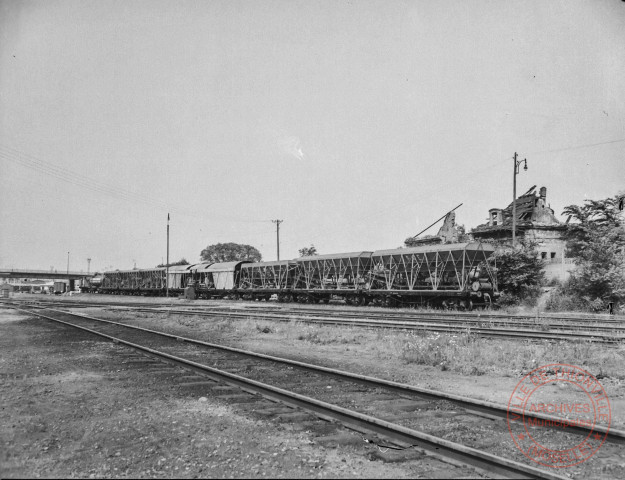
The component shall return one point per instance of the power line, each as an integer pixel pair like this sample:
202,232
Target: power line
578,146
31,162
488,167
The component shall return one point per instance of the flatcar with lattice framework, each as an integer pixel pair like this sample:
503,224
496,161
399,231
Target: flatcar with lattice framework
449,275
454,276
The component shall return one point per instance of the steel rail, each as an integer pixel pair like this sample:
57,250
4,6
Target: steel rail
403,325
434,327
483,407
478,322
341,310
478,459
406,325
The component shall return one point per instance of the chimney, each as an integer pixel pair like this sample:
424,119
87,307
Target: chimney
495,217
543,193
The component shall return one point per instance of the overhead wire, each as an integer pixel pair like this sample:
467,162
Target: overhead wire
577,147
475,173
30,161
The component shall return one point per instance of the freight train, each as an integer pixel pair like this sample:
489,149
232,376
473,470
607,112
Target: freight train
454,276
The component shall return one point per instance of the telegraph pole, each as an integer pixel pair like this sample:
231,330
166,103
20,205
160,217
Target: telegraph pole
167,264
68,266
514,174
278,222
88,265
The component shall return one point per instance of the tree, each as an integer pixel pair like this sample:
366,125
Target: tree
596,242
519,272
230,252
308,252
182,261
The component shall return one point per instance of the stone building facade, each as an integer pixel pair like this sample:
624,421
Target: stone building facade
535,222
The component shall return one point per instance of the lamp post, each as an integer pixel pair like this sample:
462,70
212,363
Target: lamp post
167,264
517,163
278,222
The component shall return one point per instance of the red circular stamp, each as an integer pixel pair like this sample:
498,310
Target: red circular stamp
559,415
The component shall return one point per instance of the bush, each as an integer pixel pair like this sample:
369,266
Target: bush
508,300
565,298
596,242
559,301
528,297
520,273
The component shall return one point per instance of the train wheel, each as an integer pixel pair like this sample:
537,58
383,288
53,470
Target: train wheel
453,304
389,302
358,300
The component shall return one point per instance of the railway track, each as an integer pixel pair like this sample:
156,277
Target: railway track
487,326
272,376
581,320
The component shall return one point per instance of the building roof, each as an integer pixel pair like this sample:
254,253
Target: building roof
532,212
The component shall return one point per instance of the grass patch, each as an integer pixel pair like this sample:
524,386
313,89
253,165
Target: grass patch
472,355
320,335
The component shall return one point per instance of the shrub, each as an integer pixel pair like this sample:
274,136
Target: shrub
520,273
566,298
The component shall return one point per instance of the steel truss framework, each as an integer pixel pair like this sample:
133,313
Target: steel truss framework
267,276
135,280
334,272
420,270
452,274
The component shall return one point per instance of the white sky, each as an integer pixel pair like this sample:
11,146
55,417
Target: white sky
358,123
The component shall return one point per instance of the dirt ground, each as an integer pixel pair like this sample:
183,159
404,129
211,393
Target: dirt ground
76,407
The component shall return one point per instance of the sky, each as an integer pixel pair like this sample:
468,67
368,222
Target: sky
356,123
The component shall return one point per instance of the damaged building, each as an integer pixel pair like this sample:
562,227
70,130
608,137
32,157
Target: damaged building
535,222
448,233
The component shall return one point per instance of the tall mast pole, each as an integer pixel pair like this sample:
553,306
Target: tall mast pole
514,201
167,264
515,172
278,222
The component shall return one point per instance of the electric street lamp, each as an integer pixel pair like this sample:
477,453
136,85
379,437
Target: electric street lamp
515,173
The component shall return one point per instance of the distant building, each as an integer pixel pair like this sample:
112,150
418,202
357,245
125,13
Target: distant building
6,289
535,222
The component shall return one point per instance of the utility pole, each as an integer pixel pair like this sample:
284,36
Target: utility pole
88,265
167,264
278,222
67,265
514,174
